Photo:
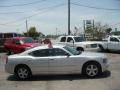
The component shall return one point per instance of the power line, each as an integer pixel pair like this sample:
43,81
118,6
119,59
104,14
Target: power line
14,5
48,9
11,12
100,8
25,12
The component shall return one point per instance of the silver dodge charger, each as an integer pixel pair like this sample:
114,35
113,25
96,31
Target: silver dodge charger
58,59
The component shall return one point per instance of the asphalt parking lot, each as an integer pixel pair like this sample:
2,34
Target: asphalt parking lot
110,80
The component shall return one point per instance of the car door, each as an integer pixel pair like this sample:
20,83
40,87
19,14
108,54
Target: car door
17,46
39,63
13,46
113,44
60,62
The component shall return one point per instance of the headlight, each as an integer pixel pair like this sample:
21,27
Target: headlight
105,60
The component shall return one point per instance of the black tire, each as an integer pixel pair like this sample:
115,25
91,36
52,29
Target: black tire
79,49
89,72
23,72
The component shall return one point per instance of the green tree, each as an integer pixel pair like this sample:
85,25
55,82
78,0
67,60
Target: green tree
32,32
108,30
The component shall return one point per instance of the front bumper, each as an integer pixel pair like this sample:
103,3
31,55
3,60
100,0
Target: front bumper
105,67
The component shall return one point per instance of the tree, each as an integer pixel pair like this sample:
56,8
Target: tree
102,30
108,30
32,32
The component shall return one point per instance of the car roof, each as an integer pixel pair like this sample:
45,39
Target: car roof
44,47
71,36
20,37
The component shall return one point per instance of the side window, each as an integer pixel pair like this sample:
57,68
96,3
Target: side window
39,53
114,39
63,39
51,52
16,41
48,52
69,39
59,52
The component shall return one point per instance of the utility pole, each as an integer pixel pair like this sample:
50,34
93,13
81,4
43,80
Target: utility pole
93,29
69,17
84,26
27,27
56,31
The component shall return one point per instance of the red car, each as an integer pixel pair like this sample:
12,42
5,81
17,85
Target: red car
19,44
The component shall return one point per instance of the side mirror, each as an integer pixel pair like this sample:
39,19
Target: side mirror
68,55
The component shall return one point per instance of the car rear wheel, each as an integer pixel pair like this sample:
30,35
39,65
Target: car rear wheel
23,72
91,69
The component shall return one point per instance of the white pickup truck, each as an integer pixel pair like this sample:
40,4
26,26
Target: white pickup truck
111,43
78,42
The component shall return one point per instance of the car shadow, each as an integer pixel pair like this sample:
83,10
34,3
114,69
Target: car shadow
60,77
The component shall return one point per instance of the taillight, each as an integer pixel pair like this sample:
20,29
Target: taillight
6,60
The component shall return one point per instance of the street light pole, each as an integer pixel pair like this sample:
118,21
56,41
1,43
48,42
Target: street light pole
69,17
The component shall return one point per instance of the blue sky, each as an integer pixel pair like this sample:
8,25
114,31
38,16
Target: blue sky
47,20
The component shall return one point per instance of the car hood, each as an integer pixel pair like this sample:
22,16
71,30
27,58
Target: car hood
31,44
93,55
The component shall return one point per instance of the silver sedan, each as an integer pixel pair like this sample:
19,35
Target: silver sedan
58,59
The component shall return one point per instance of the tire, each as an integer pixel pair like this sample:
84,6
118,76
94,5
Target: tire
92,69
79,49
23,72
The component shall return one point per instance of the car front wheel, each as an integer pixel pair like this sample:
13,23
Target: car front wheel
91,69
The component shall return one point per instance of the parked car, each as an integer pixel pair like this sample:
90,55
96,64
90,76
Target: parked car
58,59
19,44
79,43
111,43
5,36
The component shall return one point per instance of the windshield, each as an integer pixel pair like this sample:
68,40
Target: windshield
79,39
72,50
28,40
